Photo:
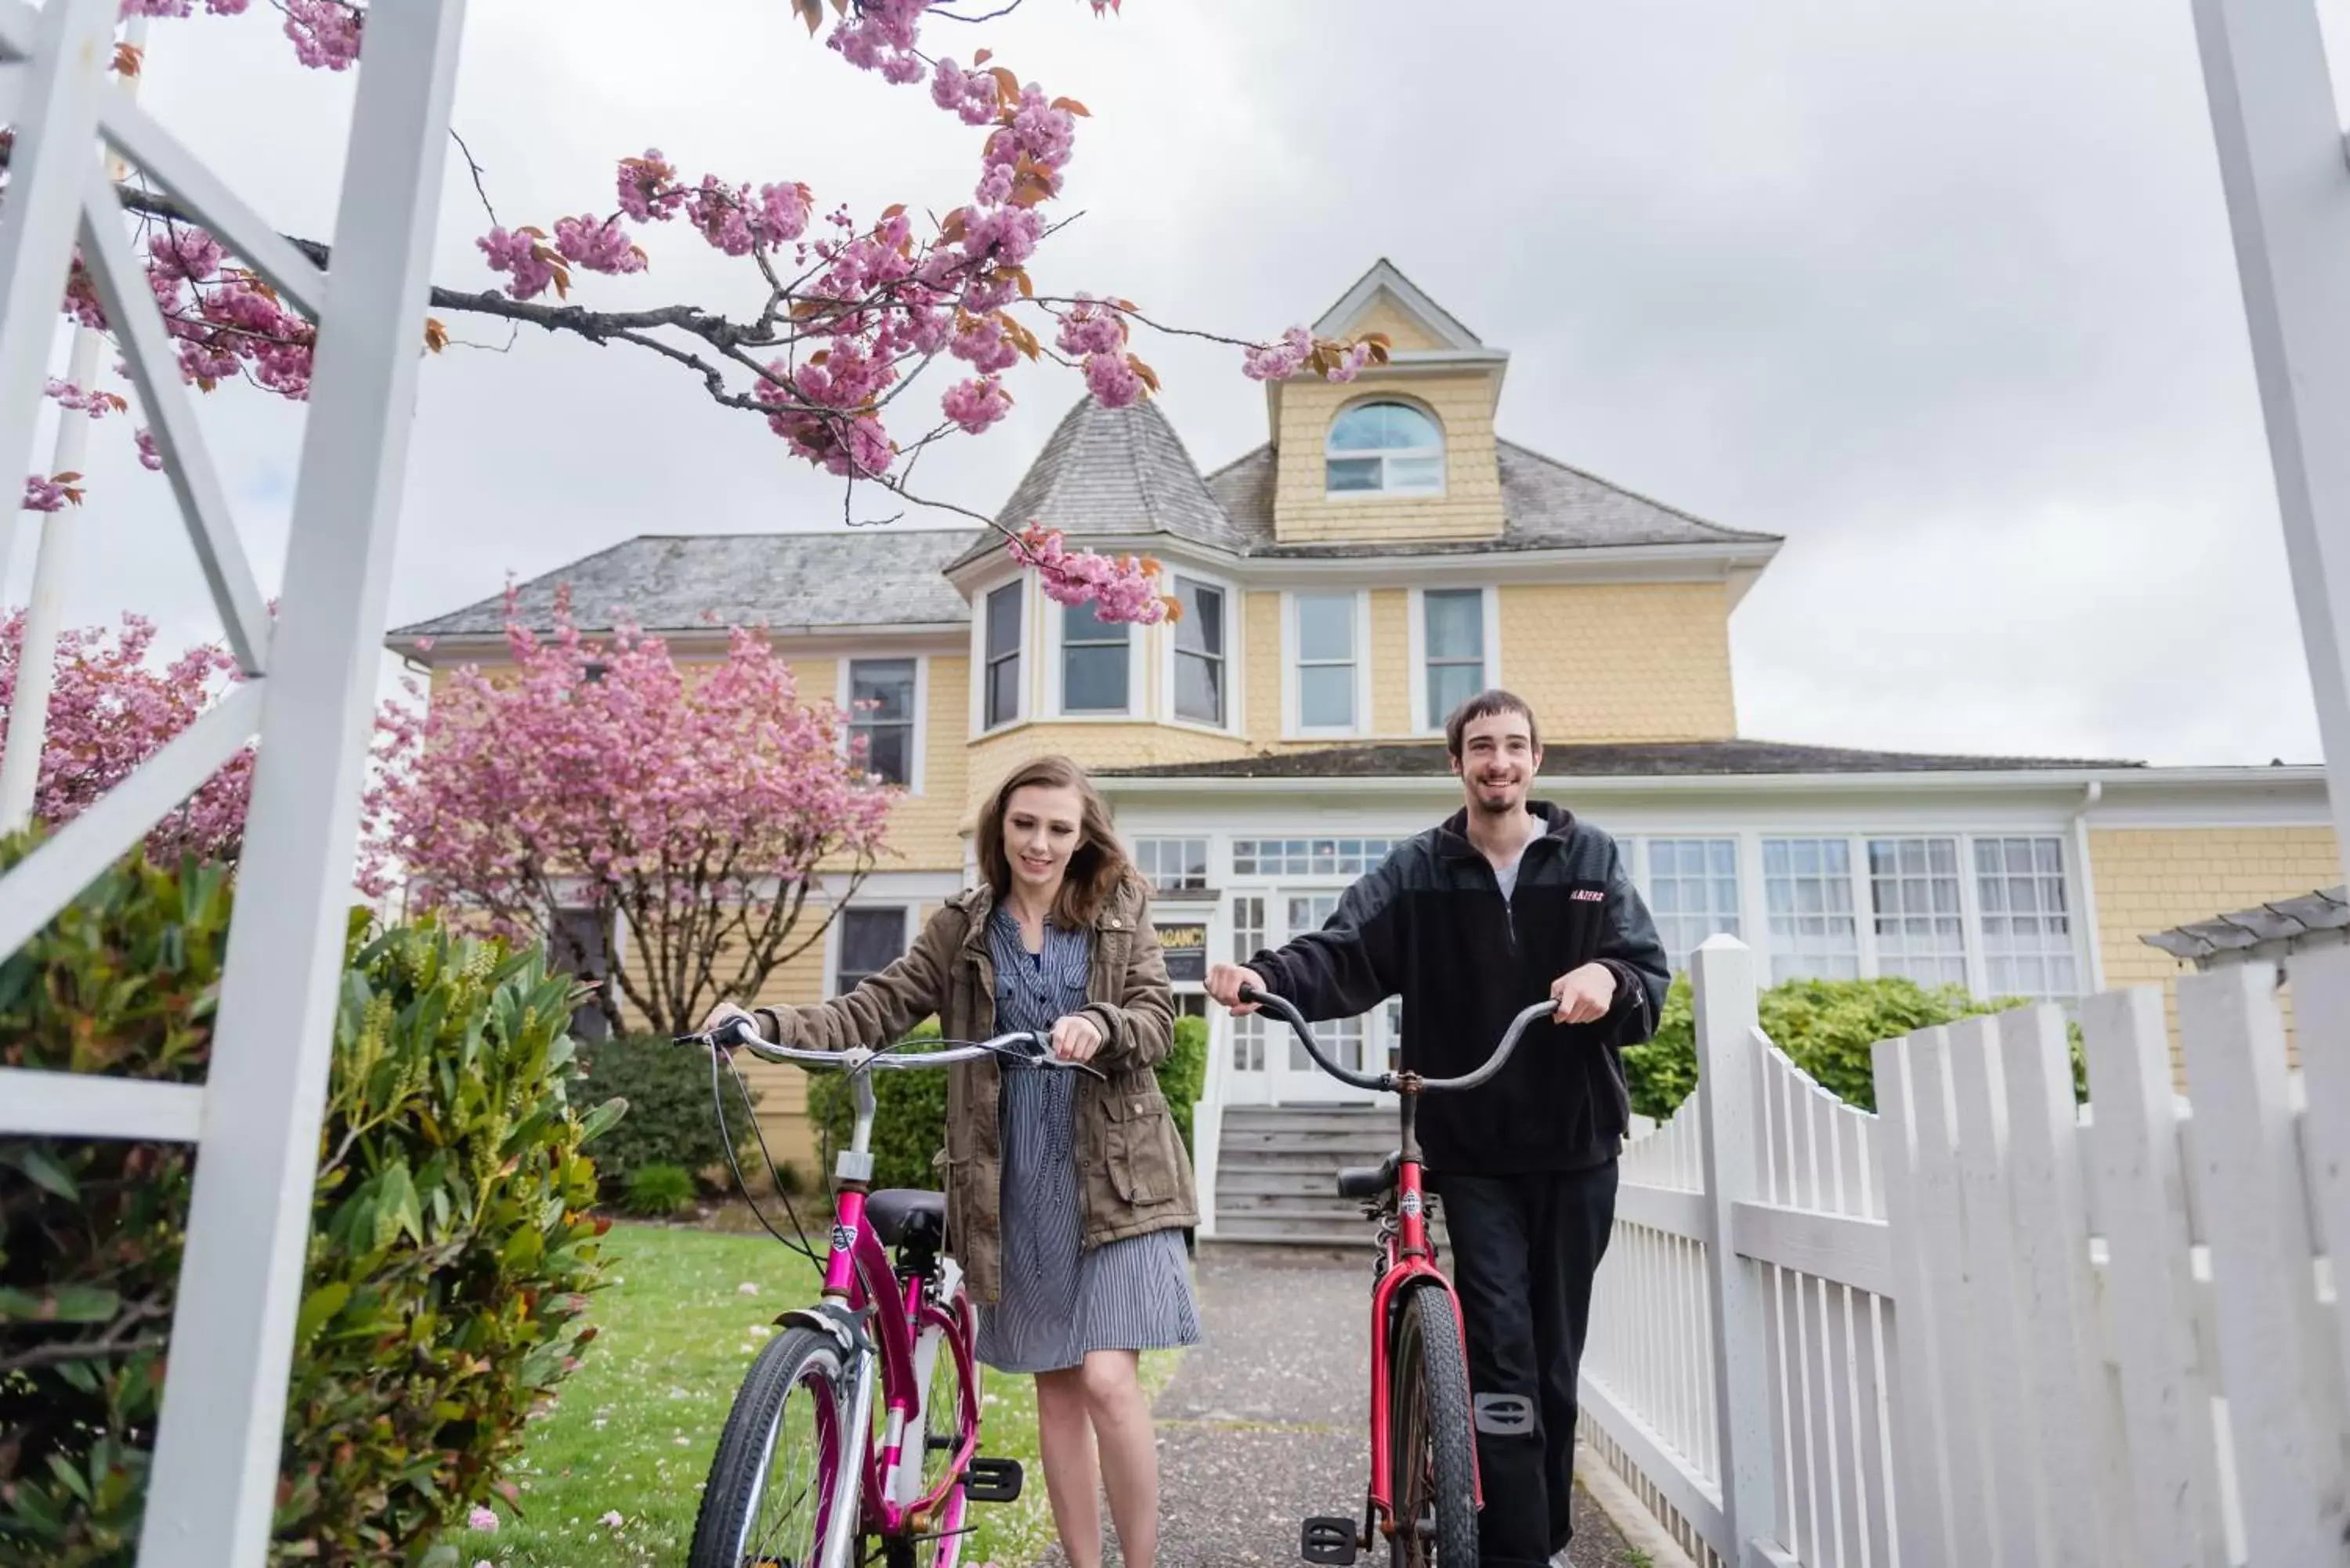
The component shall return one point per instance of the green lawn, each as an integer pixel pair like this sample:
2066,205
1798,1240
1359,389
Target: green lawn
634,1430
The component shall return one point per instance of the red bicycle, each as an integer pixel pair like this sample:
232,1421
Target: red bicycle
1424,1492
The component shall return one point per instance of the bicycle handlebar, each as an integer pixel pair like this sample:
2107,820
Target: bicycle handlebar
1026,1047
1383,1083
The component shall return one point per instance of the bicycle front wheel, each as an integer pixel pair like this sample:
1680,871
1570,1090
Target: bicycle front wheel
1434,1440
769,1499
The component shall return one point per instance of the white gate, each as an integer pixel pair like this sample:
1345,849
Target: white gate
309,700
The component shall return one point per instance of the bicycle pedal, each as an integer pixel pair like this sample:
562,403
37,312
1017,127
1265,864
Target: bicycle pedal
992,1480
1328,1540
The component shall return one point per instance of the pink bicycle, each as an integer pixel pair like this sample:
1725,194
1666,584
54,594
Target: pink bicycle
860,1425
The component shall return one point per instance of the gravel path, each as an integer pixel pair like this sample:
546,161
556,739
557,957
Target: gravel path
1264,1424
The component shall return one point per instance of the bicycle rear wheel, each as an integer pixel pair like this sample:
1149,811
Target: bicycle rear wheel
1434,1442
772,1483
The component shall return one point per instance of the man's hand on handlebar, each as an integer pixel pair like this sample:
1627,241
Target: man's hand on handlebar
1581,995
1225,983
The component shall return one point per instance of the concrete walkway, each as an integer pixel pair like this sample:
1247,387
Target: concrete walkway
1266,1423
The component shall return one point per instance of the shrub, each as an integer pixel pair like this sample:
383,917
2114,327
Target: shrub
670,1120
910,1114
450,1258
1183,1076
1827,1026
658,1191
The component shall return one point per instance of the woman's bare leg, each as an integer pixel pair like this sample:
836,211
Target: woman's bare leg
1065,1437
1129,1456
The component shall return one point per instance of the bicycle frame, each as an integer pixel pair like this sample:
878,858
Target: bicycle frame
894,1341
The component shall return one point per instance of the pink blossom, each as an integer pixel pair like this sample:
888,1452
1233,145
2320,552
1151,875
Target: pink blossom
325,32
149,458
1088,329
1351,363
648,189
1278,361
1113,378
970,95
597,245
184,253
97,405
482,1519
975,405
521,254
112,709
611,1519
1126,590
174,8
983,341
49,495
635,781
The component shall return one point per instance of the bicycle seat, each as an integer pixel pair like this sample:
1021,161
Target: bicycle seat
900,1214
1370,1180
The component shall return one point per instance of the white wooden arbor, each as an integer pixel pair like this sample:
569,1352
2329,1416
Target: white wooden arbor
255,1121
309,699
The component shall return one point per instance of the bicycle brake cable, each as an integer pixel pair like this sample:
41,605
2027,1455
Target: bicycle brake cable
725,1135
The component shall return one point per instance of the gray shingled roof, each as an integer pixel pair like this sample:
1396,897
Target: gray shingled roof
2265,930
1546,505
670,582
1120,472
1642,759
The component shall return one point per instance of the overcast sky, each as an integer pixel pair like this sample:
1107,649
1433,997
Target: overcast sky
1941,291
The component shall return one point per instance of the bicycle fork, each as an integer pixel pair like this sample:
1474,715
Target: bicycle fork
844,1521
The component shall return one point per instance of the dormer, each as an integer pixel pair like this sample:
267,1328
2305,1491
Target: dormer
1404,452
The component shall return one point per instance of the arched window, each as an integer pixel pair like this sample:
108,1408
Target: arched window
1386,448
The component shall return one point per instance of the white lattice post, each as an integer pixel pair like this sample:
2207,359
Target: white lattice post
1728,1090
215,1471
1920,1319
2282,162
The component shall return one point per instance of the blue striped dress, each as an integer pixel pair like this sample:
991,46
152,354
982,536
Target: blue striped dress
1059,1301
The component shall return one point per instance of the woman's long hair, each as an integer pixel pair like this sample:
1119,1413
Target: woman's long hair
1097,866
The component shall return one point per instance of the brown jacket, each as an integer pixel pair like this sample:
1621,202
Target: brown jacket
1131,1169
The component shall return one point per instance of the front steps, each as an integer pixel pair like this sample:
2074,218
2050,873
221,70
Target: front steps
1276,1169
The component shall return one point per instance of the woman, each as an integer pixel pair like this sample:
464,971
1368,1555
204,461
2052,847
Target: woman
1066,1194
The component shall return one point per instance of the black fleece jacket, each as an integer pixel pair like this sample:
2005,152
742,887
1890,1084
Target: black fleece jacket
1429,924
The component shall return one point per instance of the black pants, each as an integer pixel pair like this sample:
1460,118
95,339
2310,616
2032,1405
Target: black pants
1523,1251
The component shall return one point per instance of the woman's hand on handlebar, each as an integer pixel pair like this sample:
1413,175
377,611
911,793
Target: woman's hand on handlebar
1225,983
1075,1038
726,1013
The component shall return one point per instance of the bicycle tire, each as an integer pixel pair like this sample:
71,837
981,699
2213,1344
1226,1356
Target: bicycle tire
1434,1454
739,1472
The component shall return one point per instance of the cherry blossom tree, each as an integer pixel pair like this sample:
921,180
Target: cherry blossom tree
694,810
853,313
112,710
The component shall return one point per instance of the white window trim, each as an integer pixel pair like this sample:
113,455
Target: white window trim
1441,451
1137,682
1234,601
918,751
833,931
1026,685
1291,726
1423,722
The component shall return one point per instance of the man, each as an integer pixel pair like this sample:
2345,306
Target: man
1472,921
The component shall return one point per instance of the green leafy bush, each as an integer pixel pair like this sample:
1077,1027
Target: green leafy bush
658,1191
910,1114
1827,1026
670,1120
451,1256
1183,1076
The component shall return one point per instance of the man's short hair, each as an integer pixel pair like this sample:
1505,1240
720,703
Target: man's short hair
1484,705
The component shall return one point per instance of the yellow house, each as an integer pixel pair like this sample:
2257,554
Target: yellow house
1384,554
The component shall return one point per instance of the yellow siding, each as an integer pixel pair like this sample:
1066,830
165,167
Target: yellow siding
1265,672
1471,507
1646,661
1404,330
2150,879
1391,660
923,828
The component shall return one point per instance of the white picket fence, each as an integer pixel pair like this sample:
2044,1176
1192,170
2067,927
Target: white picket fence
1985,1327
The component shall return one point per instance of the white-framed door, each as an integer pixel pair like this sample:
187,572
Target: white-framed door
1268,1065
